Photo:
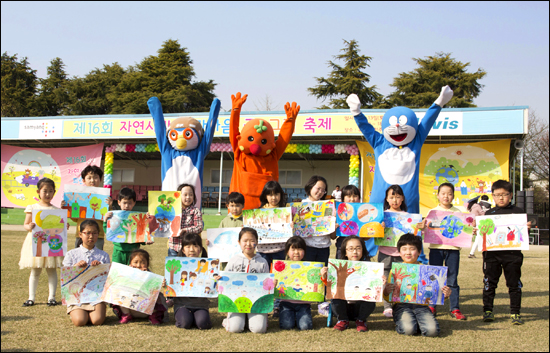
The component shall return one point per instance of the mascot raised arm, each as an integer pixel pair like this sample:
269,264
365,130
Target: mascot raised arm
397,150
256,152
183,147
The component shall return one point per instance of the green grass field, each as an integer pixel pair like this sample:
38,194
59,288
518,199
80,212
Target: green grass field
43,328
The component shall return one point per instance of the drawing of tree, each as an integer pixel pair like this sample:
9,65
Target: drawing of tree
399,275
95,204
314,277
486,226
440,278
38,238
277,213
342,274
173,266
142,222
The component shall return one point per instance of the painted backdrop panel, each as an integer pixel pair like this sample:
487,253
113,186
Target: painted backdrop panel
165,207
397,224
355,280
22,167
449,228
313,219
360,219
83,284
191,276
245,292
128,227
504,232
299,280
86,201
50,233
223,243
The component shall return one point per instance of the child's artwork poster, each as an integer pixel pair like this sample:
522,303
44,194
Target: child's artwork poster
312,219
223,243
274,225
81,285
83,201
299,280
165,207
23,167
132,288
360,219
503,232
449,228
128,227
418,284
397,224
240,292
191,277
355,280
49,235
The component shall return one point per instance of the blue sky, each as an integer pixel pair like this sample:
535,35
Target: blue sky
277,48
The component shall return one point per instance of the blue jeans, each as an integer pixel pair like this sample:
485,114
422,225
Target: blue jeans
172,252
409,318
317,254
451,258
292,315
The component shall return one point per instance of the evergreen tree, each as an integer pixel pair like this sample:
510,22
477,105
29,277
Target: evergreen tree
52,94
347,79
421,87
18,87
169,77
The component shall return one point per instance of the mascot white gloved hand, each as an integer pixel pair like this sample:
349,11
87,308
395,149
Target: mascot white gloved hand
397,149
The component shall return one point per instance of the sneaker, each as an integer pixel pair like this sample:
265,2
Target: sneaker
361,326
275,312
125,318
471,256
28,303
457,315
322,308
388,313
432,309
516,319
154,319
341,325
117,311
488,316
52,302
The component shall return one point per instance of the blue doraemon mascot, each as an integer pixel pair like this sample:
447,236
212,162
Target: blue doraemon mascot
183,147
397,150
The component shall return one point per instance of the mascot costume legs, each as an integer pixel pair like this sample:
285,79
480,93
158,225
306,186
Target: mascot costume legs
397,150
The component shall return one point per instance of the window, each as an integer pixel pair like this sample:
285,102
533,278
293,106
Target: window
215,176
290,177
123,175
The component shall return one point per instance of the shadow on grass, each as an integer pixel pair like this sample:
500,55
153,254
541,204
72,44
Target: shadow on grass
15,318
16,350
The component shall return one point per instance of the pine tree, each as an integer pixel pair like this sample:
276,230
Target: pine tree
421,87
19,83
347,79
52,94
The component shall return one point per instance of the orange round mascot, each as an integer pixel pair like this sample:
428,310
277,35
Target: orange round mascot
256,152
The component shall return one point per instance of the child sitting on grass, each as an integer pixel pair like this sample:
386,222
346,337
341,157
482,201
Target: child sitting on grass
409,318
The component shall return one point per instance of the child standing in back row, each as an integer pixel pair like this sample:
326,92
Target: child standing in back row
349,193
235,205
191,219
46,192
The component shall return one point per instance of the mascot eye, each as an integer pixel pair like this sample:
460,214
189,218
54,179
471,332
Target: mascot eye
188,134
173,135
251,138
264,141
393,120
403,120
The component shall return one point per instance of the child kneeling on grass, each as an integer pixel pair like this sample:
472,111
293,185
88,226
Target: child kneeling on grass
409,318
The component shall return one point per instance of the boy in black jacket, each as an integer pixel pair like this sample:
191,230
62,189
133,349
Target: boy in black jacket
494,262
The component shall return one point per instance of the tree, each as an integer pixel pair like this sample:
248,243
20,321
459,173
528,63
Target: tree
142,223
314,277
52,94
347,79
421,87
266,104
342,274
95,204
398,275
169,77
173,266
19,83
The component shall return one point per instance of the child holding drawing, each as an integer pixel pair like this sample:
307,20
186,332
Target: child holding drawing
448,254
295,313
411,318
121,251
358,310
250,262
46,192
349,193
87,254
235,205
191,219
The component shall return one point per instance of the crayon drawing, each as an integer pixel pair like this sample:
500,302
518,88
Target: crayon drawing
85,201
274,225
449,228
165,207
355,280
312,219
50,233
128,227
504,232
240,292
418,284
299,280
132,288
191,276
223,243
397,224
361,219
83,284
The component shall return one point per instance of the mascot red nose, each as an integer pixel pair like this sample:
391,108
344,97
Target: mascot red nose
256,152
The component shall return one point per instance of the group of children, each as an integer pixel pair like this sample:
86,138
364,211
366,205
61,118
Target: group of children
257,258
